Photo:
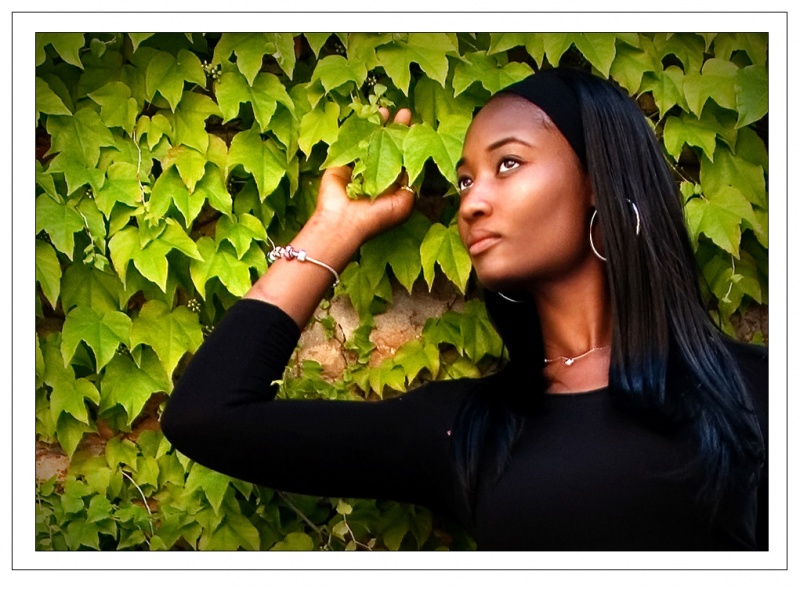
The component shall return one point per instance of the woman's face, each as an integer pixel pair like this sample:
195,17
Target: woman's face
525,201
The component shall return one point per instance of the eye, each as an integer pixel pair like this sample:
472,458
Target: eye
507,164
463,183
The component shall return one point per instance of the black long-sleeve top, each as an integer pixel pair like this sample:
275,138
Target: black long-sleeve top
584,475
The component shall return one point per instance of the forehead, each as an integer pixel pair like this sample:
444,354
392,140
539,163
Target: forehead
510,110
508,115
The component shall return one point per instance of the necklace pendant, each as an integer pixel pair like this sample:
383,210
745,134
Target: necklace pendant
569,361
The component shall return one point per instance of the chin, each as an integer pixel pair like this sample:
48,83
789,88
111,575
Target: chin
500,282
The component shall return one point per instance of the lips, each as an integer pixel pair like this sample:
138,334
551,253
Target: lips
480,241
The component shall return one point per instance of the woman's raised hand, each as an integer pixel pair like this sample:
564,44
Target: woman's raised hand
335,231
363,218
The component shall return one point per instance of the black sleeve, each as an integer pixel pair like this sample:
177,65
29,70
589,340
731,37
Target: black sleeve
222,415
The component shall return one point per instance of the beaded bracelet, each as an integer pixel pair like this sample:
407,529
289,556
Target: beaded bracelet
289,253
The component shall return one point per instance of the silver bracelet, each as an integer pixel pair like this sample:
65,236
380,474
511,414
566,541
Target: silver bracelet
289,253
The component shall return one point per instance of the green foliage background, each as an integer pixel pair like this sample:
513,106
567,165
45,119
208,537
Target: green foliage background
164,162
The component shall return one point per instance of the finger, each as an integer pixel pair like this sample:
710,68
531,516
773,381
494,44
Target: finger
403,116
384,112
340,175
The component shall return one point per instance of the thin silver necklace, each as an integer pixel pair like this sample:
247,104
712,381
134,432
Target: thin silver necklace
570,361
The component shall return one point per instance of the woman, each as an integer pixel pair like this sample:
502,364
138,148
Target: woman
623,421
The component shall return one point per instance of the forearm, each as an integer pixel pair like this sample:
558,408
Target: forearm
298,287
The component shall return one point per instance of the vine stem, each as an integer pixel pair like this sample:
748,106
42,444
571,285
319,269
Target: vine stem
138,165
144,500
299,512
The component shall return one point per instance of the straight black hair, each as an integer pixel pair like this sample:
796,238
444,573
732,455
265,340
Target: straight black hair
660,324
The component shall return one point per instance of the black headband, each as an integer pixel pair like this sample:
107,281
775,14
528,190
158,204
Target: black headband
549,91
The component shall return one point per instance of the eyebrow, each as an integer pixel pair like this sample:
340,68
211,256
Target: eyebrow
495,145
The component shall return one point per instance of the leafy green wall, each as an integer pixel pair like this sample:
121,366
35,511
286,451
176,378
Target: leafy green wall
164,162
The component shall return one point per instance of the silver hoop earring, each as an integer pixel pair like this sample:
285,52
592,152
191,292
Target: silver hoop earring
591,240
636,211
591,225
509,299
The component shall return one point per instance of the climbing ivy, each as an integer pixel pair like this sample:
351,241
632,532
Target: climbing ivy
166,162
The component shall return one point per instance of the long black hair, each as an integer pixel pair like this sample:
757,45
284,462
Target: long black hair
661,326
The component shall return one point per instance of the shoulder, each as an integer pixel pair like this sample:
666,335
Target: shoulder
451,395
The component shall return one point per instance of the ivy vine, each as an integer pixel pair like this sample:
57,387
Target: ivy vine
164,164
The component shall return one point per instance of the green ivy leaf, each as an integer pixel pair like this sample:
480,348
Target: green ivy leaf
212,188
719,217
233,533
138,38
249,48
442,245
76,173
443,146
81,135
213,484
170,189
67,45
48,102
415,356
598,48
432,103
167,74
170,333
117,107
687,129
263,95
502,42
149,254
316,41
752,94
61,221
131,386
689,48
189,121
388,374
48,271
399,248
751,148
352,143
121,185
45,181
85,286
729,170
263,159
630,65
428,50
240,232
69,397
295,541
384,160
754,44
319,124
666,87
485,69
102,332
154,128
284,51
189,162
717,81
222,263
470,331
334,71
555,45
99,509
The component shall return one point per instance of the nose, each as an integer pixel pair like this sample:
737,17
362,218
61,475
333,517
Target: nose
475,203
